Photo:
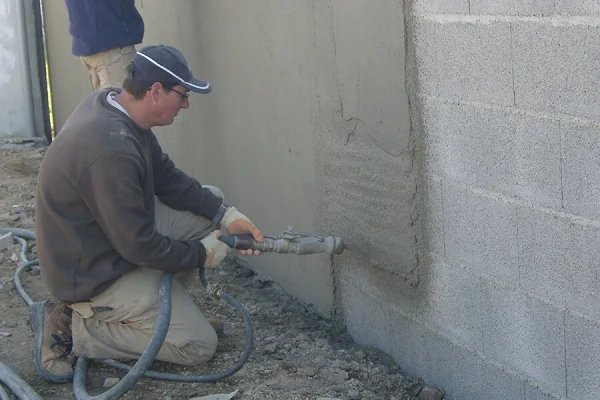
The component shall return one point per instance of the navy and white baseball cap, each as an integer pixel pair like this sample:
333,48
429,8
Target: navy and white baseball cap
166,64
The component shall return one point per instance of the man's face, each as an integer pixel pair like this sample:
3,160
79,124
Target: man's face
168,104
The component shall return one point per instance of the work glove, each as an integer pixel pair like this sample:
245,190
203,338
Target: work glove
235,222
215,249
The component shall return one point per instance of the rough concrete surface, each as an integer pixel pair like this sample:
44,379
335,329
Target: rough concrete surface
513,7
581,7
471,74
555,68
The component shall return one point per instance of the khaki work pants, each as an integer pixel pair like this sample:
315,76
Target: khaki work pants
124,331
107,68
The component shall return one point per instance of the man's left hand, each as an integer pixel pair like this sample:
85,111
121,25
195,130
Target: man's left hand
235,222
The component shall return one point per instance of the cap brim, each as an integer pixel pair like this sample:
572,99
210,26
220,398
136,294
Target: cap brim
198,86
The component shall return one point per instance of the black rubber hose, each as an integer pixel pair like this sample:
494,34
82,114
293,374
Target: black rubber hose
16,384
29,265
22,233
3,394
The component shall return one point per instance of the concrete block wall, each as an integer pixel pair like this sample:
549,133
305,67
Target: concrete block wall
507,101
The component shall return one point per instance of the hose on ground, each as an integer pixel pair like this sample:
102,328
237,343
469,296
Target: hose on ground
140,368
16,384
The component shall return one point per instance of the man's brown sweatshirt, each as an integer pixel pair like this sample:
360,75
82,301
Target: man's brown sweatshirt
95,203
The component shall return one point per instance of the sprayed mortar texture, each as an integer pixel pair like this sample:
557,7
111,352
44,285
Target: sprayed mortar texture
369,202
367,156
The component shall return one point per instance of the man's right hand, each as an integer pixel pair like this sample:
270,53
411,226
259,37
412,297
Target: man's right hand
215,249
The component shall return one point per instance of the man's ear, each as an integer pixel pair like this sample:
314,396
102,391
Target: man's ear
155,90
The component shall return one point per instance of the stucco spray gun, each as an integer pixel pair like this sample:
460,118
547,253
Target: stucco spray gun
291,242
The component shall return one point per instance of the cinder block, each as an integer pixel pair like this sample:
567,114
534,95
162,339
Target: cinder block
538,161
6,241
424,52
474,62
559,260
556,68
473,145
465,376
580,7
368,319
433,217
533,393
494,139
583,358
581,169
513,7
409,345
442,6
526,335
395,291
494,150
481,233
453,294
450,150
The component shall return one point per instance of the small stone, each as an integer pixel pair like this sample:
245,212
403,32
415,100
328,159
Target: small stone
381,370
431,393
25,196
308,370
339,375
287,346
245,273
302,338
271,339
6,241
110,382
6,285
270,348
223,273
305,346
354,394
353,366
361,354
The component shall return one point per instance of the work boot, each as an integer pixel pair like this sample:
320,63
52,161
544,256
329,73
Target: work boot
217,325
51,323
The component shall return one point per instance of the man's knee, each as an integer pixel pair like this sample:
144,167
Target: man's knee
215,190
199,351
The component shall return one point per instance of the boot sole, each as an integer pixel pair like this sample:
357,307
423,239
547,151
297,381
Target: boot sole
36,322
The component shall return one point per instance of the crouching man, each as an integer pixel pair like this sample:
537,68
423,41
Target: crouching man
113,213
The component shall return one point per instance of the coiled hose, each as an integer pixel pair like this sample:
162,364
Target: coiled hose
140,368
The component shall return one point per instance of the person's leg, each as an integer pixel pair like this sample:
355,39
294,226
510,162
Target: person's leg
108,68
184,225
124,330
94,79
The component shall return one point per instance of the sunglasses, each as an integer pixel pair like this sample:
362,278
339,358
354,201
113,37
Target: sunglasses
184,96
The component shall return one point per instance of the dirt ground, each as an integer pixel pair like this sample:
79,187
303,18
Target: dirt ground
297,354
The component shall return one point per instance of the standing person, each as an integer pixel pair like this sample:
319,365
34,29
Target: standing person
105,33
113,212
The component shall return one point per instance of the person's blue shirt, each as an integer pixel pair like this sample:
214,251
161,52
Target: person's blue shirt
100,25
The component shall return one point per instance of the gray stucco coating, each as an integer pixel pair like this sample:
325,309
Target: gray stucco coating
453,144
